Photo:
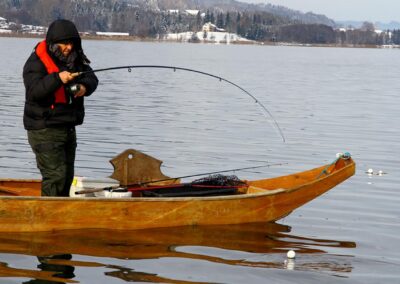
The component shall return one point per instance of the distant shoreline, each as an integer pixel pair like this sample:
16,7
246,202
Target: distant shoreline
138,39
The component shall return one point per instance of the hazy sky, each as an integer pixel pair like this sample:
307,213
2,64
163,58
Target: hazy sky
359,10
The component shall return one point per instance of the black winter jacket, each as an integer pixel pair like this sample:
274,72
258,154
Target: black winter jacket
40,110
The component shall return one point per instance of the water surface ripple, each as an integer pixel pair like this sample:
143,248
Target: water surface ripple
326,100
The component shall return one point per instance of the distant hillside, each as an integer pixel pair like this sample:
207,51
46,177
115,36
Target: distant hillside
305,18
237,6
159,19
102,15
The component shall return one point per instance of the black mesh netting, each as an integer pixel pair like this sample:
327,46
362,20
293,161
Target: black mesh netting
219,180
213,185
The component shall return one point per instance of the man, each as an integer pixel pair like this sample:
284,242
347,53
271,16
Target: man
54,103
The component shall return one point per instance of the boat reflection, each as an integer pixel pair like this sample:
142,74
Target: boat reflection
50,272
256,245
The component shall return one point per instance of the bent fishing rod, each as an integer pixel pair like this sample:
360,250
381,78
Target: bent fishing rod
130,67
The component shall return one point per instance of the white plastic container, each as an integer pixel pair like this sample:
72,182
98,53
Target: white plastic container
113,194
81,183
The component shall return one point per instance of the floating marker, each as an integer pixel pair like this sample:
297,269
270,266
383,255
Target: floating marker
291,254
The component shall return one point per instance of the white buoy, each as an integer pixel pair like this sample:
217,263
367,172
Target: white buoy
370,171
380,173
291,254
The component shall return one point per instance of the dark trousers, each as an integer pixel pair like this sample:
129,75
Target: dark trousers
54,149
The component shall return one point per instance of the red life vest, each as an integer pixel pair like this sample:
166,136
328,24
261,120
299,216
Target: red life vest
51,67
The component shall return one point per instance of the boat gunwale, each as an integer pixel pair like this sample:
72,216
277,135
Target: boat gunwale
139,199
319,179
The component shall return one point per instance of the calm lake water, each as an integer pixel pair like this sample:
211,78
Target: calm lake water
326,100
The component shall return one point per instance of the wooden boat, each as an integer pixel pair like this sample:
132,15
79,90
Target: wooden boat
265,200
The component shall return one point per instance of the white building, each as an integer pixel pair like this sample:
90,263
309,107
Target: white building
192,12
3,22
111,34
188,12
210,27
4,26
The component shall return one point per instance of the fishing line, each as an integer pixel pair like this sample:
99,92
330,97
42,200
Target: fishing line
130,67
216,172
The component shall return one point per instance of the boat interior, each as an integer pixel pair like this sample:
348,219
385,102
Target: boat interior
137,174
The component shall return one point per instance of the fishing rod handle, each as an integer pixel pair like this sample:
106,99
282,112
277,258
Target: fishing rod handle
76,74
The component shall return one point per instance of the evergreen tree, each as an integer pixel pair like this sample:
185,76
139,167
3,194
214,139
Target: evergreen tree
396,36
198,21
212,18
220,20
228,21
207,17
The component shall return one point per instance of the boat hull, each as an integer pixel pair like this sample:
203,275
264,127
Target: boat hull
265,200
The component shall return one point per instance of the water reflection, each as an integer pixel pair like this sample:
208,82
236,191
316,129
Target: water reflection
54,265
130,275
50,271
249,246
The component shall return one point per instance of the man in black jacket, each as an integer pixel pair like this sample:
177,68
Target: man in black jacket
54,103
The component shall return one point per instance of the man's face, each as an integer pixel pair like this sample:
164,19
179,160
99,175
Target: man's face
65,47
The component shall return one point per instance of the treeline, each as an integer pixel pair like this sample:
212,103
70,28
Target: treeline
267,27
321,34
247,24
396,37
119,16
145,19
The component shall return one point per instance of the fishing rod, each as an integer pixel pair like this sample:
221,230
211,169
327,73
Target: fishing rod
130,67
92,190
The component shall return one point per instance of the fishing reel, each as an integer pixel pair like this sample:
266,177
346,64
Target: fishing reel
73,88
